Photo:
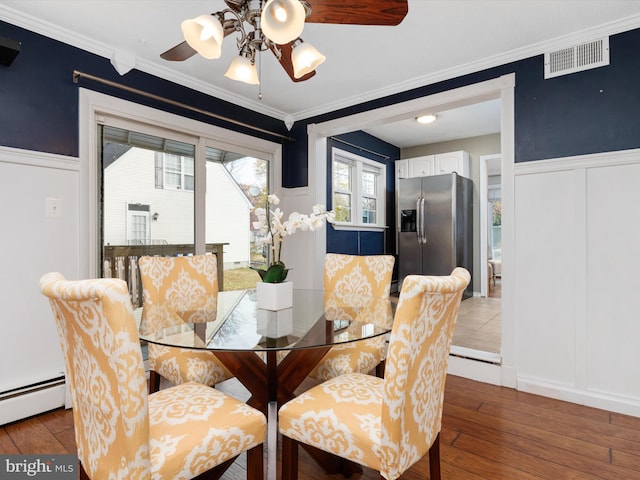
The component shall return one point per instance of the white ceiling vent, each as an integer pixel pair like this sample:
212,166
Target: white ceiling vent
583,56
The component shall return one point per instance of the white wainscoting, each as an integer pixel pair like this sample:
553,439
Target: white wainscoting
577,272
32,244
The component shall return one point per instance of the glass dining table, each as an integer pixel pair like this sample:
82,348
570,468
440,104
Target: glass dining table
271,352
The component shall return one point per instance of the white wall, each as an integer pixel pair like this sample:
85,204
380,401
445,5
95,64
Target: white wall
577,246
32,245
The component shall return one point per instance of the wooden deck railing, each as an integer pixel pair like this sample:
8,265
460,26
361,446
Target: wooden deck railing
121,261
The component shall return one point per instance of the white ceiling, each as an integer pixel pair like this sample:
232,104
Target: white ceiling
438,39
464,122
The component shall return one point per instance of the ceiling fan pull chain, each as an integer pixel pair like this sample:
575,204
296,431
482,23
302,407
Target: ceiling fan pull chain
260,75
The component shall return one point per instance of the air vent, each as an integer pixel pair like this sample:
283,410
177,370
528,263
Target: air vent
577,58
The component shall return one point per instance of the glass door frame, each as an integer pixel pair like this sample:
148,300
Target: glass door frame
96,108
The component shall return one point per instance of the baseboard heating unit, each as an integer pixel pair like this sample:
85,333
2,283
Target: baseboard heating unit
29,400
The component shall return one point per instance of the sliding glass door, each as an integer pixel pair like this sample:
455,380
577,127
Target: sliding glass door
154,203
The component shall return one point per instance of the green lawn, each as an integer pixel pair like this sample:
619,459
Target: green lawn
240,279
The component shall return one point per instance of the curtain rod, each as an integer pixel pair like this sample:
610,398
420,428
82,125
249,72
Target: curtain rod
386,157
77,74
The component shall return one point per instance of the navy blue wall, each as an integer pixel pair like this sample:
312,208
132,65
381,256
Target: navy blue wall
40,101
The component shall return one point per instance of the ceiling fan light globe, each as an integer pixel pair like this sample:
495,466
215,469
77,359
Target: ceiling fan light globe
242,70
305,58
204,34
282,21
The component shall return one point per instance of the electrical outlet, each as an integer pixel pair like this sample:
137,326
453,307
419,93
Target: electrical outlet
53,207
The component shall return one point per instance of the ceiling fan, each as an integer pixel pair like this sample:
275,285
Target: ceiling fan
276,25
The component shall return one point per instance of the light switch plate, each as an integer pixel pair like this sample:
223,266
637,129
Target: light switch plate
53,207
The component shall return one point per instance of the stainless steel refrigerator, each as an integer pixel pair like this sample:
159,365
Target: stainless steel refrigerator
435,231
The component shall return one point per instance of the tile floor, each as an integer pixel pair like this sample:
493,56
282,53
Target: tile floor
479,324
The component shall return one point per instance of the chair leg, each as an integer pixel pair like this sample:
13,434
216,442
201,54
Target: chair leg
154,381
255,463
434,459
289,458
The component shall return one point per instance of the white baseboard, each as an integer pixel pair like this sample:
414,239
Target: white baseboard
611,403
32,403
475,370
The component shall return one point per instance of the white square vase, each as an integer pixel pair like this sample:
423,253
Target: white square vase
275,323
274,296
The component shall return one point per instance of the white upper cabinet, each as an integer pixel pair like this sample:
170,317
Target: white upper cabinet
402,169
452,162
434,165
421,166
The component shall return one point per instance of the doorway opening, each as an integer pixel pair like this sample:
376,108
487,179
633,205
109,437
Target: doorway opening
484,366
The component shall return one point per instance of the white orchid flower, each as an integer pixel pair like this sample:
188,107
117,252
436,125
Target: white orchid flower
316,221
272,229
319,209
273,199
295,222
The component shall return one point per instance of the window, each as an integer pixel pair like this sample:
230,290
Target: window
178,172
358,190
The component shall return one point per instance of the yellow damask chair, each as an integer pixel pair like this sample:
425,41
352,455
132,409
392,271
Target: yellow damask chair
385,424
121,431
180,289
361,276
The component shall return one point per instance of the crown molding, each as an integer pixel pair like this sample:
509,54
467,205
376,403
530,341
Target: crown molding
55,32
611,28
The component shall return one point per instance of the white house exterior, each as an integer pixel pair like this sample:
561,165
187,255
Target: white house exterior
130,190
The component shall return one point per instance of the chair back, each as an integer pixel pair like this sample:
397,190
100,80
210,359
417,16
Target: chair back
416,367
366,275
105,374
187,286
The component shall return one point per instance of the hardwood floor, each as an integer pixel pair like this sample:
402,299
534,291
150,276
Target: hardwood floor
488,433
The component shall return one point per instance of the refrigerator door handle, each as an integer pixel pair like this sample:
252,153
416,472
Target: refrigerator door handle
418,220
423,216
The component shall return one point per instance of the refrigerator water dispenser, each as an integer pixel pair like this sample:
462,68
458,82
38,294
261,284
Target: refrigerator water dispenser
408,221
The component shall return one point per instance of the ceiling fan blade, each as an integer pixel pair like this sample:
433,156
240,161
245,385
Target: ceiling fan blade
180,52
287,64
362,12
